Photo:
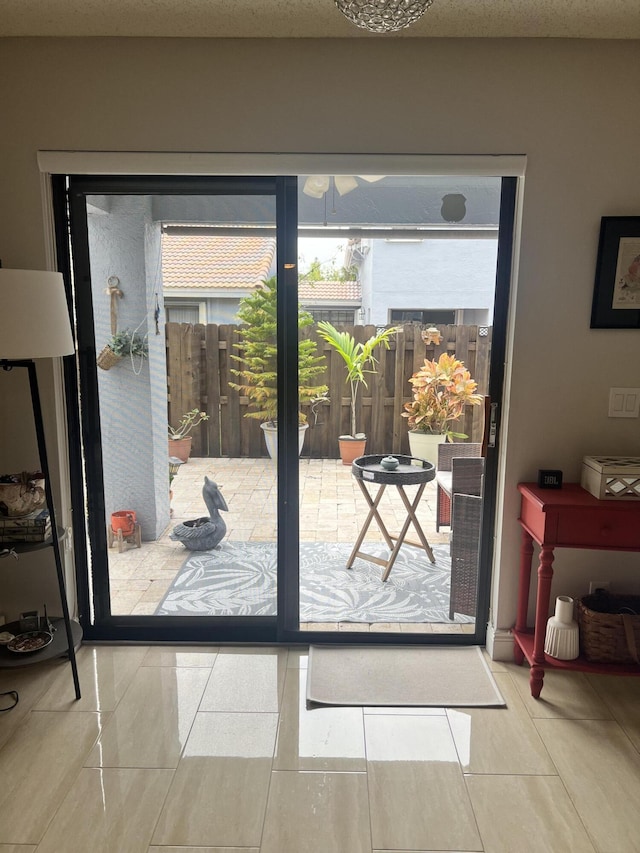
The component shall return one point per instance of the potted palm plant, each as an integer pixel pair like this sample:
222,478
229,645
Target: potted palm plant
359,359
441,390
180,438
258,362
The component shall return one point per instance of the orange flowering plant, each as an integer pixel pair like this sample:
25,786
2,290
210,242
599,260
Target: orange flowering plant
441,390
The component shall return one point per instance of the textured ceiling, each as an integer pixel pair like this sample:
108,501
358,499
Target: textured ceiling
603,19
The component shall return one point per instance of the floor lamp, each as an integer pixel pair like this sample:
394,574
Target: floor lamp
34,323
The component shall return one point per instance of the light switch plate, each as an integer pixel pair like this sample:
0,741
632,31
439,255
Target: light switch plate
624,402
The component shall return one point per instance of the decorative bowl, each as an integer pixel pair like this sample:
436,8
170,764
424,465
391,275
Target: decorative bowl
32,641
389,463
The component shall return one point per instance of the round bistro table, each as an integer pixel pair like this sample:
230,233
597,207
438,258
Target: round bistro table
411,471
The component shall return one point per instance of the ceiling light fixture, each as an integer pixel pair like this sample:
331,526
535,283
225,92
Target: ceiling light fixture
383,16
317,185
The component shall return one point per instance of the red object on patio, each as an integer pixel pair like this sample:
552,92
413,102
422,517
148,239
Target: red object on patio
124,520
124,528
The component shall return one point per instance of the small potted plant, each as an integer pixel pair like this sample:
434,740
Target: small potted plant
180,438
120,344
441,390
359,359
258,362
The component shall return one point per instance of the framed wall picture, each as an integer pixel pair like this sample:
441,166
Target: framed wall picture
616,295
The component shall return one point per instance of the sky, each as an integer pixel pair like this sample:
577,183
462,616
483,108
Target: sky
328,251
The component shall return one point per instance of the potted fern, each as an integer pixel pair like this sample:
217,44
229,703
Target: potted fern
258,362
359,359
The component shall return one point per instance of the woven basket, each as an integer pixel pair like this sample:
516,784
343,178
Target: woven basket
107,358
610,628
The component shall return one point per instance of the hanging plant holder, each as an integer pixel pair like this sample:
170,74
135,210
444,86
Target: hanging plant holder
107,358
122,343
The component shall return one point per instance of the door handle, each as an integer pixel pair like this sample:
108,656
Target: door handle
493,425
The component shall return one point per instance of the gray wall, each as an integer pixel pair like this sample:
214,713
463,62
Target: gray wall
438,274
132,394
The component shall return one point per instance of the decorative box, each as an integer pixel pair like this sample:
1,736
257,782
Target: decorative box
35,527
612,477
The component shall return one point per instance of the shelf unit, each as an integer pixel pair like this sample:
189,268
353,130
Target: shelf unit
67,635
525,641
54,541
569,517
56,649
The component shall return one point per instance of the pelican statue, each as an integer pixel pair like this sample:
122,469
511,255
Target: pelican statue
204,534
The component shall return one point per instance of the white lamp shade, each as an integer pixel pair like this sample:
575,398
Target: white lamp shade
34,319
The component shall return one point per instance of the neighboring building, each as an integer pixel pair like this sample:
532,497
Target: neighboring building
339,302
206,275
447,277
424,249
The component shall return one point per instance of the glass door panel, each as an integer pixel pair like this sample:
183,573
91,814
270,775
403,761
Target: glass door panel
409,263
177,320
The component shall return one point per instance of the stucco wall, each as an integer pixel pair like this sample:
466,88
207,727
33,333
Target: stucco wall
134,455
570,106
434,274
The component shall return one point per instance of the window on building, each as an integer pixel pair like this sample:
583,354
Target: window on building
182,312
335,316
423,316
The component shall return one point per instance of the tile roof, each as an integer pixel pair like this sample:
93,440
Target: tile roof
207,261
335,291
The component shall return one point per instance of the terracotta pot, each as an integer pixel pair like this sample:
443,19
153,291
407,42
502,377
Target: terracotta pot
181,447
351,448
124,520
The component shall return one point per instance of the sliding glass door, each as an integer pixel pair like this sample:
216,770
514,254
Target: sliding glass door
216,312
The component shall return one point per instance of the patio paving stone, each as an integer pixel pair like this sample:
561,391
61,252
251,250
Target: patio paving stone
332,509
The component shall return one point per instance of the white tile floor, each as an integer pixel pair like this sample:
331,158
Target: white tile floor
212,750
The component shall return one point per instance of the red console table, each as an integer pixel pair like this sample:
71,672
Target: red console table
569,517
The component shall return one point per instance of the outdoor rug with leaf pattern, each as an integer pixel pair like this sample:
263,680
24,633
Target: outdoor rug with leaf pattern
239,579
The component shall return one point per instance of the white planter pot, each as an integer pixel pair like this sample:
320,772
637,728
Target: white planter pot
270,432
424,445
562,638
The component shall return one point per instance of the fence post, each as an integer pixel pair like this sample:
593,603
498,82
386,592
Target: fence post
212,386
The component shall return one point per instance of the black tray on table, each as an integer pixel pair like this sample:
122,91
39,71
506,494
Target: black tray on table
410,471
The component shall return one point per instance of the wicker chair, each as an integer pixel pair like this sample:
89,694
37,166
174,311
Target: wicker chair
465,554
468,476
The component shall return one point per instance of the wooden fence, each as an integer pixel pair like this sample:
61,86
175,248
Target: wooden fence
199,372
